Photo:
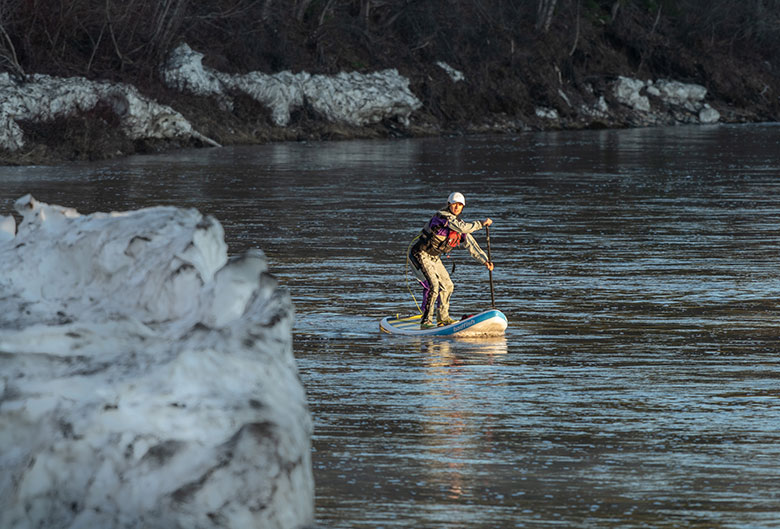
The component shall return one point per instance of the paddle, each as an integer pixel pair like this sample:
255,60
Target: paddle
490,272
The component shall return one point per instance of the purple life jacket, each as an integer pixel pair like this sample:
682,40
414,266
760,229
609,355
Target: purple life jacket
438,238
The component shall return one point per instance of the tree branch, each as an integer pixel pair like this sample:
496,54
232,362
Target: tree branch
8,54
577,31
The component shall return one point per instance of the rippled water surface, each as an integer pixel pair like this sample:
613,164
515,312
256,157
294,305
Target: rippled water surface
638,382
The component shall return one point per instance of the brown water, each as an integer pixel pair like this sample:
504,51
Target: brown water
638,382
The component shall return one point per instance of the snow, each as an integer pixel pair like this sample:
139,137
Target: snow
687,96
708,115
546,113
627,92
147,379
599,109
350,97
7,228
43,98
455,75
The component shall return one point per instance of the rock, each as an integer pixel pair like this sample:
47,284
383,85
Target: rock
147,380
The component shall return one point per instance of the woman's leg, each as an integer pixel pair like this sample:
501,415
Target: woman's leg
429,271
445,292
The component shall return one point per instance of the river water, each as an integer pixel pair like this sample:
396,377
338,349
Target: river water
638,381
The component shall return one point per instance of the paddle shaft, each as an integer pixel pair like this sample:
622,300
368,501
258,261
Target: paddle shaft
490,272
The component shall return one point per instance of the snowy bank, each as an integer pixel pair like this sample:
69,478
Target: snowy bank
342,105
147,380
349,97
42,98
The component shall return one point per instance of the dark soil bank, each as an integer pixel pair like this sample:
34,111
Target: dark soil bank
516,56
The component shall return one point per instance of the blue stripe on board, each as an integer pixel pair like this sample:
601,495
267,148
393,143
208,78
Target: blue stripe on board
410,324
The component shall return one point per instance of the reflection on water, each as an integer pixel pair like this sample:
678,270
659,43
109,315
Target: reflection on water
449,418
487,345
637,384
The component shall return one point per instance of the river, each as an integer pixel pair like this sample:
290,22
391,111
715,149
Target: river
638,381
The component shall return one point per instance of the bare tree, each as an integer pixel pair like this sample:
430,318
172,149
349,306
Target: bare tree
576,32
8,54
167,19
544,13
614,11
647,52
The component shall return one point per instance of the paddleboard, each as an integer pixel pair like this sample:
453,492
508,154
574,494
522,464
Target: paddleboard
488,323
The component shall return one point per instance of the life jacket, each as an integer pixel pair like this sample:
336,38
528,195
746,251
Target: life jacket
437,237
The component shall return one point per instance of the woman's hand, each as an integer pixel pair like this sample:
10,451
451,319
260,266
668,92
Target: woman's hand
487,222
489,266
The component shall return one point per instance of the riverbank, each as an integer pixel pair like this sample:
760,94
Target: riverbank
606,67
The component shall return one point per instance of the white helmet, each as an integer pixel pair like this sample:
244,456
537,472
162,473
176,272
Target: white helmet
456,197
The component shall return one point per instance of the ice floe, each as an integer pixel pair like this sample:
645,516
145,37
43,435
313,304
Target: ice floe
685,96
455,75
43,98
146,378
350,97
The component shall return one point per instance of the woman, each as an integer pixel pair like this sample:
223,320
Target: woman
444,232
